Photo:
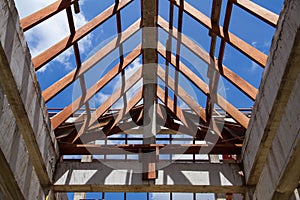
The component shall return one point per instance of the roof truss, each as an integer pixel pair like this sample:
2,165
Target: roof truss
101,119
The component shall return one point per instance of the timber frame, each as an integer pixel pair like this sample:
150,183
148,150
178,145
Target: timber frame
82,130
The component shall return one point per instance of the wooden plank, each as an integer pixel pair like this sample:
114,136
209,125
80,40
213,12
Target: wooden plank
250,51
110,101
212,74
170,124
240,83
225,28
96,149
177,111
149,43
258,11
77,58
125,110
182,94
215,18
149,10
45,13
59,85
41,59
74,106
236,80
229,108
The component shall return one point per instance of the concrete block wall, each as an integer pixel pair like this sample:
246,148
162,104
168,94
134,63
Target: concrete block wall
275,89
21,101
272,142
14,150
283,148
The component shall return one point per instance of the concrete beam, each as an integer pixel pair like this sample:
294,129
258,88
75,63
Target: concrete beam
23,94
281,175
276,90
171,177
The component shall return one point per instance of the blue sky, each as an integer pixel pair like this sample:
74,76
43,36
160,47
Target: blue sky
242,24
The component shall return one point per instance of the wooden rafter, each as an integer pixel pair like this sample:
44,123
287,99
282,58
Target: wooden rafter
111,124
73,107
182,93
250,51
59,85
67,132
236,80
211,73
45,13
177,111
65,43
77,58
258,11
109,102
230,109
109,128
125,110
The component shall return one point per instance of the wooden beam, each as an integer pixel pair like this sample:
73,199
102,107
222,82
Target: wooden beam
170,124
215,18
182,94
58,86
236,80
131,103
125,110
250,51
109,102
177,111
149,43
41,59
78,59
96,149
211,73
229,108
149,10
74,106
258,11
45,13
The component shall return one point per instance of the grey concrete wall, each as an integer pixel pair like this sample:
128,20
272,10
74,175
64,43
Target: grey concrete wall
271,148
276,87
14,150
278,176
27,140
123,177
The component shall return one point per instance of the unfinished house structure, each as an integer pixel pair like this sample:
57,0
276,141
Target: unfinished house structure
150,108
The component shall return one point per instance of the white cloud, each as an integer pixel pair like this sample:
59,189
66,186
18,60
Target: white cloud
254,66
253,43
100,98
130,70
51,31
